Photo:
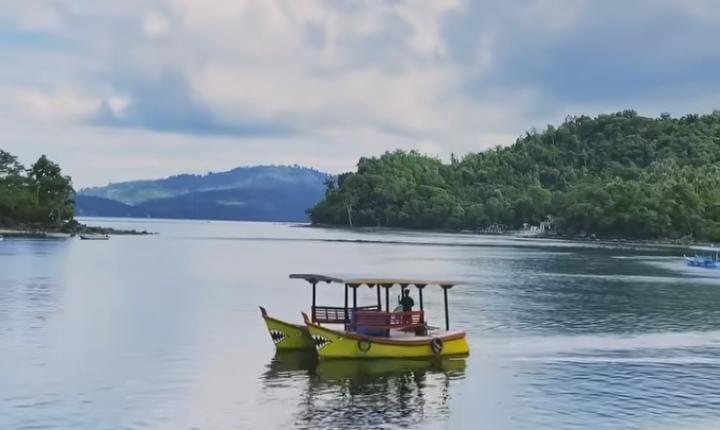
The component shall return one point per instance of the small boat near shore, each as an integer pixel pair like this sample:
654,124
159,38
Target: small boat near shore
369,331
94,236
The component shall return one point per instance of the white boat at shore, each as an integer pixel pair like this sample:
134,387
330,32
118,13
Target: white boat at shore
94,236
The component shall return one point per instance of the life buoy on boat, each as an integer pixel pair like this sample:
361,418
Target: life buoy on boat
436,344
364,345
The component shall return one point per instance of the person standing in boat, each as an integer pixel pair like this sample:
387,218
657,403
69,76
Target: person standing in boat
407,304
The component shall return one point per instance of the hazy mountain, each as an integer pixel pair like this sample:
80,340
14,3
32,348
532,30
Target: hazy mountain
100,206
260,193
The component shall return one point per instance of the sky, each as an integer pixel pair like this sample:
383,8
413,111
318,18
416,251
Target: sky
120,90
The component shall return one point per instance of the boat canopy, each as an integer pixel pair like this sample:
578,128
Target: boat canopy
371,282
323,313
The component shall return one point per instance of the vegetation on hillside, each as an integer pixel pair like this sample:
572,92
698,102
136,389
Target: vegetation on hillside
40,194
617,175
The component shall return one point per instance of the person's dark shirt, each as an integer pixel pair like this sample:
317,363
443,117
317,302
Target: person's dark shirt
407,303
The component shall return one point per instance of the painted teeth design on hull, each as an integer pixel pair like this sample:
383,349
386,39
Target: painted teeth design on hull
277,336
320,342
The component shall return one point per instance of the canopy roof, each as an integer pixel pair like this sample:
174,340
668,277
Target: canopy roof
385,282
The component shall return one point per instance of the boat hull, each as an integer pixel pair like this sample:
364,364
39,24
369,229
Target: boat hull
287,336
94,237
339,344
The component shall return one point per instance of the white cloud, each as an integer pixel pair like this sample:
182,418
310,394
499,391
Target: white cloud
423,19
32,16
118,105
155,24
355,97
348,78
61,106
379,65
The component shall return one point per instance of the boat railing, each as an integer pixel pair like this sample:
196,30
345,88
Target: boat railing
387,320
336,315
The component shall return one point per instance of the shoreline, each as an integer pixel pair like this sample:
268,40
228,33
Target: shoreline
75,228
36,231
578,239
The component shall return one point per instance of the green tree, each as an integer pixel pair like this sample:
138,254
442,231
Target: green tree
40,194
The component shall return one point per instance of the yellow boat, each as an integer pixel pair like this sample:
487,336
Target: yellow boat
371,332
345,344
287,336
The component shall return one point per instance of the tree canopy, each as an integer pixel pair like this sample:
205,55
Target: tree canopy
40,194
616,175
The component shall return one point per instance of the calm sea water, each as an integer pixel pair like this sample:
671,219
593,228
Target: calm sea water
163,332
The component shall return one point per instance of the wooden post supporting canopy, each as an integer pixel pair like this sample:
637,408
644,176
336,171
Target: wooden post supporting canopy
346,305
387,297
420,294
354,314
354,287
447,314
379,300
312,310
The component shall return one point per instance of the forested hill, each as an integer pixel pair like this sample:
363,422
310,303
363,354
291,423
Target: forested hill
258,193
618,175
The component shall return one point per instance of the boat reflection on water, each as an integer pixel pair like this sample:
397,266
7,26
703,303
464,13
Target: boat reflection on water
289,363
347,393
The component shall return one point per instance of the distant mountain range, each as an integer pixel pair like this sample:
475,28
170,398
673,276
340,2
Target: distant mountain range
258,193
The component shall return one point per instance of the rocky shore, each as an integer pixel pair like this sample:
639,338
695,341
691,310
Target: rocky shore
68,229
